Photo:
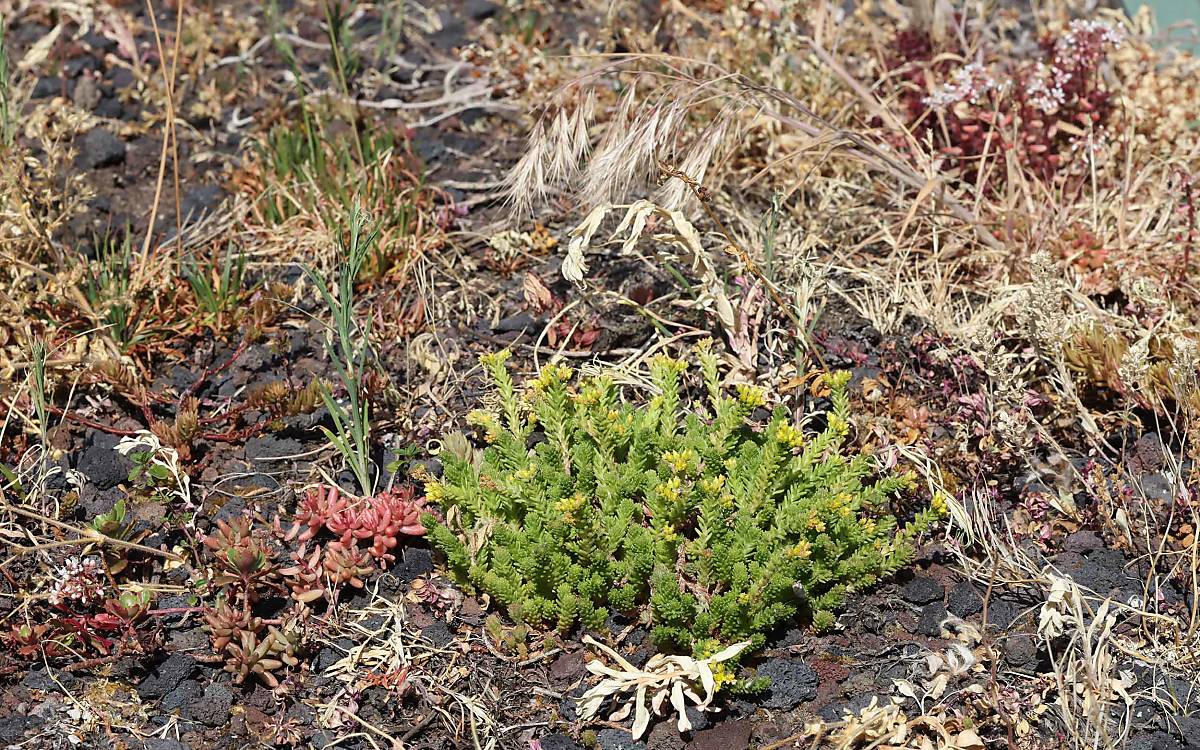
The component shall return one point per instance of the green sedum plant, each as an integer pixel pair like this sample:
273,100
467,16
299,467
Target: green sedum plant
724,525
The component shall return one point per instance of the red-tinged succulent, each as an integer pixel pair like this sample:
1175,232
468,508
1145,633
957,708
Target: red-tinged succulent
382,519
304,577
243,561
347,564
254,655
27,640
317,508
126,609
225,624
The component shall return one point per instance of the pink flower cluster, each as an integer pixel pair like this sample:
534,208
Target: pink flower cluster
381,519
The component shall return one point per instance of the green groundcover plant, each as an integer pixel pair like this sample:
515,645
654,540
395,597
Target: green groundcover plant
724,525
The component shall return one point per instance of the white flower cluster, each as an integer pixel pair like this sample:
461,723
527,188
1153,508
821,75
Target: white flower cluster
77,580
969,83
1044,90
1080,46
1083,34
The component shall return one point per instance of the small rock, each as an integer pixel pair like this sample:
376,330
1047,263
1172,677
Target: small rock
567,707
1020,652
964,600
515,323
47,87
1189,729
930,622
268,447
49,680
1083,542
558,741
922,590
664,735
100,462
617,739
1002,613
566,667
212,709
101,149
793,682
730,734
87,94
478,10
12,729
415,562
165,743
438,634
166,676
182,696
201,201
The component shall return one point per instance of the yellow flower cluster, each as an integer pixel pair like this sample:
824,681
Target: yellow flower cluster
681,461
938,503
551,375
670,490
801,549
487,422
435,491
751,396
790,435
569,506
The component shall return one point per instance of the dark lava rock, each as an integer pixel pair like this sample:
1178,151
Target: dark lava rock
101,149
617,739
166,743
727,735
478,10
930,622
12,729
793,682
166,676
438,634
964,600
1020,652
47,87
1189,729
48,680
212,708
558,741
922,590
566,707
416,561
1002,614
271,447
182,696
200,201
331,655
1155,741
1082,542
100,462
515,323
698,718
567,667
664,735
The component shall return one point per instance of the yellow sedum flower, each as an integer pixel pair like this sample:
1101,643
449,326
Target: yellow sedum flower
790,436
681,461
801,550
751,396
